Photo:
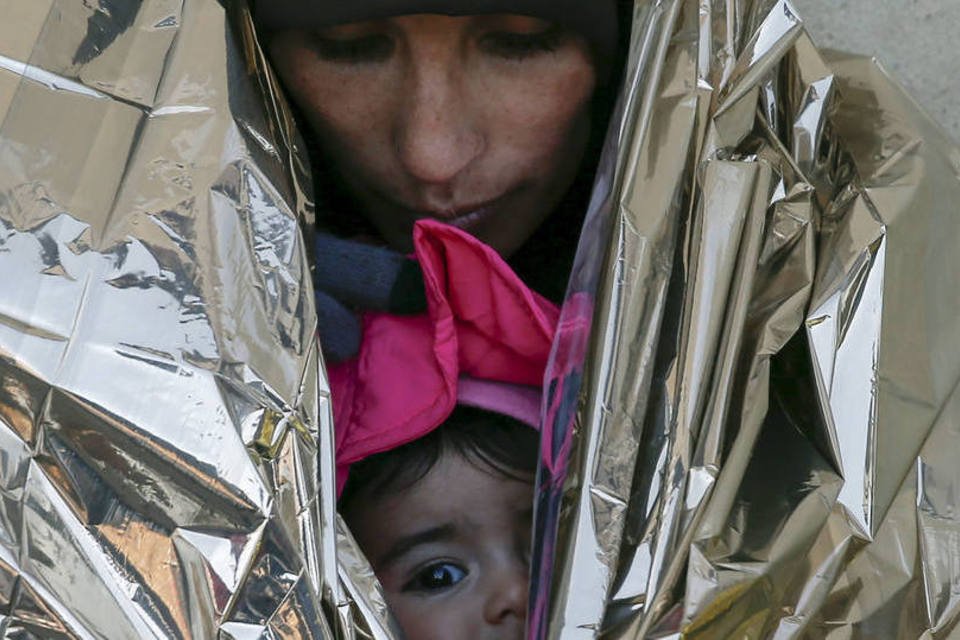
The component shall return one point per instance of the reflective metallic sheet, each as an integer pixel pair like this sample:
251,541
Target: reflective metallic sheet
752,411
756,439
159,388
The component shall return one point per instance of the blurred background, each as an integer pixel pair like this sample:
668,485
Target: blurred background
912,39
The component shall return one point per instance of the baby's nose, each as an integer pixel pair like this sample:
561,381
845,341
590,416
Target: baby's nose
508,597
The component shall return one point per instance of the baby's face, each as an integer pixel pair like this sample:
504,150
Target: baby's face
452,552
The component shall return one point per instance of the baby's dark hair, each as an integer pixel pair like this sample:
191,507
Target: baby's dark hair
490,441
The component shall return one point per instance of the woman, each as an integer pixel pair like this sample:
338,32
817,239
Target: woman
484,116
478,114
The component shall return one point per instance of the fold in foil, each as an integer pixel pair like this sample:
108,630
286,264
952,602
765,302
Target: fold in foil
751,415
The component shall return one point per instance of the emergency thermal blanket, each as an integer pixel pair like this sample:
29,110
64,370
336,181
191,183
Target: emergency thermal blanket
751,421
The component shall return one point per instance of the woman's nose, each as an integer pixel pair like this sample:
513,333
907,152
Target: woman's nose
437,136
507,599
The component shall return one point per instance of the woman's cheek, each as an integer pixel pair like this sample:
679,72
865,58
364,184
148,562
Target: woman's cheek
545,113
342,104
349,119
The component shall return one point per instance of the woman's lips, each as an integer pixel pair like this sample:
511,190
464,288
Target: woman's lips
463,217
400,216
470,217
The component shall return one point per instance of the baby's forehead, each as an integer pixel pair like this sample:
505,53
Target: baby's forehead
454,480
454,492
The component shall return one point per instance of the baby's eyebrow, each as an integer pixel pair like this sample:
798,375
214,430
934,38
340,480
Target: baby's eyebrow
404,544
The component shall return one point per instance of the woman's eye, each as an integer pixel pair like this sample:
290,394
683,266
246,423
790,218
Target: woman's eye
372,48
438,576
517,46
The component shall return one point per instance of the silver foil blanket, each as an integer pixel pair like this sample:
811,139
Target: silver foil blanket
756,436
751,419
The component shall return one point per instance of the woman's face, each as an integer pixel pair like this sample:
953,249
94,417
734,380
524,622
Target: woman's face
478,121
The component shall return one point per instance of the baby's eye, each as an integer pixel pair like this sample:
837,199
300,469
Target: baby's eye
441,575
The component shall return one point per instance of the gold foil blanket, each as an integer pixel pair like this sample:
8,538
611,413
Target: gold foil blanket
756,438
751,419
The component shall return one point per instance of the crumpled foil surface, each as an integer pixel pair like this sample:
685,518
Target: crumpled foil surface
759,436
165,437
752,419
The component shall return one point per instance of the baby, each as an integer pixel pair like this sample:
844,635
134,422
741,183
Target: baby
437,444
446,521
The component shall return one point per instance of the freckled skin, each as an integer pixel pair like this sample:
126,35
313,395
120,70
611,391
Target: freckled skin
490,517
443,125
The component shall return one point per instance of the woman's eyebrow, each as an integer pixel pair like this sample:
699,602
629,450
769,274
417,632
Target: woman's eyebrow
404,544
